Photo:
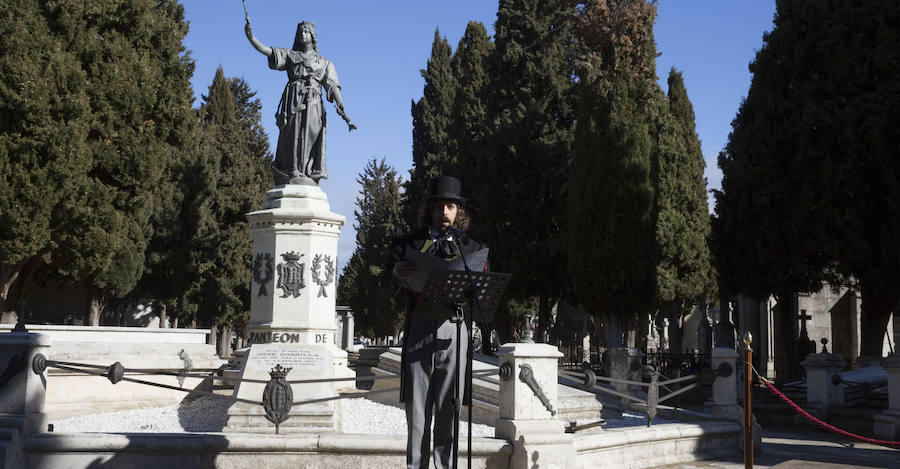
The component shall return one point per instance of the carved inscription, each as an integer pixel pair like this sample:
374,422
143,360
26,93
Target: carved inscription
297,359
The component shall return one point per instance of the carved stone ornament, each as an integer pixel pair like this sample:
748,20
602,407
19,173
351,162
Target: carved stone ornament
262,271
290,274
278,397
322,282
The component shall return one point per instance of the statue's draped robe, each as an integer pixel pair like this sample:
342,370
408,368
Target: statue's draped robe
301,115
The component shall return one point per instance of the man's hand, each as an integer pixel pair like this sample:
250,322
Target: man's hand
404,269
248,30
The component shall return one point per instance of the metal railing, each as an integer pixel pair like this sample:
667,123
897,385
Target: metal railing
677,364
277,398
651,397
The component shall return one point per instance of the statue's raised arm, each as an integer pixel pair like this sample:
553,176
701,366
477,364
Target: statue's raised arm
300,154
256,43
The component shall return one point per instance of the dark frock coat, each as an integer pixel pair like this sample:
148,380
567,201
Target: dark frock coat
416,241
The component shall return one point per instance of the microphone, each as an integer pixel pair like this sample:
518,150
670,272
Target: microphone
459,234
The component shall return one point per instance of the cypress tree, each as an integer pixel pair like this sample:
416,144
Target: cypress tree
378,219
44,118
434,147
684,272
820,114
611,227
768,226
529,140
231,180
469,66
135,77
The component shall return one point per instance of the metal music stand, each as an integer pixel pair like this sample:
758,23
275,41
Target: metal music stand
445,296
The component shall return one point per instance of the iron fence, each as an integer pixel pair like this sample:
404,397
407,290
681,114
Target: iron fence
676,364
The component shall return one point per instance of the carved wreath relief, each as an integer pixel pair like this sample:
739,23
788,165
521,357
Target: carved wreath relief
262,271
329,273
290,274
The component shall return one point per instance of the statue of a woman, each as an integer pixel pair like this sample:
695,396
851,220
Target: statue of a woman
300,156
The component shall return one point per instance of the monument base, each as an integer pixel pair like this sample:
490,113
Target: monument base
887,425
301,362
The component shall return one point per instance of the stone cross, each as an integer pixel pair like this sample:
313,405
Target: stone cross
803,317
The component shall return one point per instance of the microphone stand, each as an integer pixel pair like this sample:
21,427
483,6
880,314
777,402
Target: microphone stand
485,345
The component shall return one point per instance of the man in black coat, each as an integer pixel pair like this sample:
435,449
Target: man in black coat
428,361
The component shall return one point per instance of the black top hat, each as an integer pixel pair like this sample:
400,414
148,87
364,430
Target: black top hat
445,188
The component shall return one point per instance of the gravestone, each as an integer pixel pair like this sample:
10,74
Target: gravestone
303,362
805,346
292,295
724,326
704,336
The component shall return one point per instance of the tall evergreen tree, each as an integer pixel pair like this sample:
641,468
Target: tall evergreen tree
529,140
378,219
684,272
770,223
231,178
136,81
434,147
612,249
44,120
470,68
820,115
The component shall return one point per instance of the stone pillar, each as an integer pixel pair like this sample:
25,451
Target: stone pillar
349,330
292,300
625,364
22,394
724,326
725,388
294,233
822,393
887,425
344,320
538,439
726,393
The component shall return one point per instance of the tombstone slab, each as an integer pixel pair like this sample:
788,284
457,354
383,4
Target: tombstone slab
822,391
305,362
887,425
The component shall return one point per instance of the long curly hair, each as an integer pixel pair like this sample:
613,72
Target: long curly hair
460,223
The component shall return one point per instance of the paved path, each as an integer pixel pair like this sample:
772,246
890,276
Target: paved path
783,448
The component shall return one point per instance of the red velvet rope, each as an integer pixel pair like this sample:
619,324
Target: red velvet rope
831,428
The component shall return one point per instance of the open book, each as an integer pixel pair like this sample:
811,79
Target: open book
425,263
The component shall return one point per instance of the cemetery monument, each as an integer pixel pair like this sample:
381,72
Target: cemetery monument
295,236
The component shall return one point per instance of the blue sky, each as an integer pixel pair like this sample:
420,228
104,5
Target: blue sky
378,48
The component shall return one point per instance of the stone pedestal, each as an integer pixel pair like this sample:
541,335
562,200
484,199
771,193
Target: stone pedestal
295,239
305,362
22,394
625,364
887,425
292,294
538,439
292,297
725,403
822,391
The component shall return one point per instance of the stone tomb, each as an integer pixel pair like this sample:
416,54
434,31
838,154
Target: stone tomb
305,362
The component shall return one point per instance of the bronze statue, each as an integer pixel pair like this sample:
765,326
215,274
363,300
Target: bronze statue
300,156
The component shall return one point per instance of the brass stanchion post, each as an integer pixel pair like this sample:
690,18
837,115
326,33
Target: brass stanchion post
748,399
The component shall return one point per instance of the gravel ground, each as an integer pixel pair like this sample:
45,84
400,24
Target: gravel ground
207,414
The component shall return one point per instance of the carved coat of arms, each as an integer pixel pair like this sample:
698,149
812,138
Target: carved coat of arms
262,271
322,282
290,274
278,397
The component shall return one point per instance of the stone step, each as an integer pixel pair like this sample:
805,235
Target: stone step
574,404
